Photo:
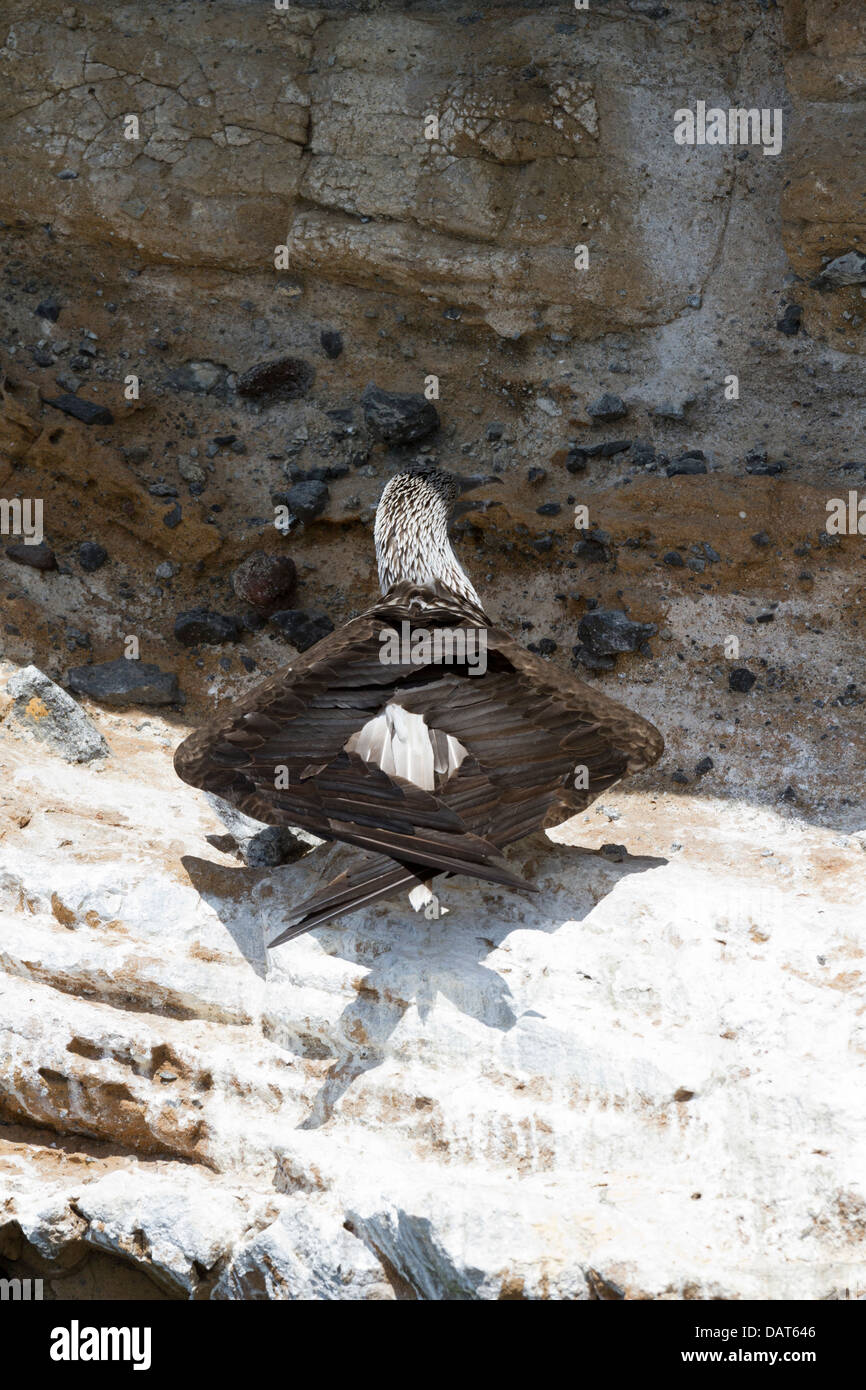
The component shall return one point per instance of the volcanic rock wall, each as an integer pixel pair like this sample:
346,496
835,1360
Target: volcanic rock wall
220,225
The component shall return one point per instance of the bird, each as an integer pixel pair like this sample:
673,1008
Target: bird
420,733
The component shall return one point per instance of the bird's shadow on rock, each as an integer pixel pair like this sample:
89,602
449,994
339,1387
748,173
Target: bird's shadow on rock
408,960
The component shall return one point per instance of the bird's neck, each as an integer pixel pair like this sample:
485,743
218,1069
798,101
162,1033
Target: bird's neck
414,546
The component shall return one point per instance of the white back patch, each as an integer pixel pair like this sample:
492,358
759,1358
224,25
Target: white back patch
400,743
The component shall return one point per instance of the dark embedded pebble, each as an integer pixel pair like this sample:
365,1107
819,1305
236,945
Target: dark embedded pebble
48,309
607,407
712,555
766,470
760,538
125,682
790,321
173,518
615,853
285,378
544,647
332,342
608,631
91,556
37,557
575,461
224,441
398,419
542,544
675,560
549,509
267,848
766,618
704,766
265,580
41,357
642,452
582,656
595,545
137,453
76,638
608,450
536,475
87,411
162,490
308,499
686,465
494,431
248,662
741,679
201,625
302,629
679,776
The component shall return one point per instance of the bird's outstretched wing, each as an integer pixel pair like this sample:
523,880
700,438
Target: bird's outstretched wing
538,745
280,756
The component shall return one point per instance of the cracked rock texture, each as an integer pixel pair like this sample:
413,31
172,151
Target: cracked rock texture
645,1082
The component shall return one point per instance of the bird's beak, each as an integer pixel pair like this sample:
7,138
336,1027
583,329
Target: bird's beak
470,503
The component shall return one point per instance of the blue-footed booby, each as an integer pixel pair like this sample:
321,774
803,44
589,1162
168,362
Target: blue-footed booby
393,735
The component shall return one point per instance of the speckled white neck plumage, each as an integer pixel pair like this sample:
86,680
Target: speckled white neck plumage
411,534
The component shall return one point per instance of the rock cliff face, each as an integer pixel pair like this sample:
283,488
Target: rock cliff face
646,1081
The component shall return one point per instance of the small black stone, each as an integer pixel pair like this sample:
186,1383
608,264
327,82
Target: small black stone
761,538
789,323
48,309
308,499
174,517
283,379
607,631
705,765
91,556
87,411
741,680
125,682
398,419
607,407
675,560
302,629
37,557
609,449
575,461
200,625
687,465
332,342
548,509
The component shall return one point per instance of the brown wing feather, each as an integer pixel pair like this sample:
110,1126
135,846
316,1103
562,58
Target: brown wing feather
525,724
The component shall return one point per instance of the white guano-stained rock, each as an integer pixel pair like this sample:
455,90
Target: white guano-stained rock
645,1081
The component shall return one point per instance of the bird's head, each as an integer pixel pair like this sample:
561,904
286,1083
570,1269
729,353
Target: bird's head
412,521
